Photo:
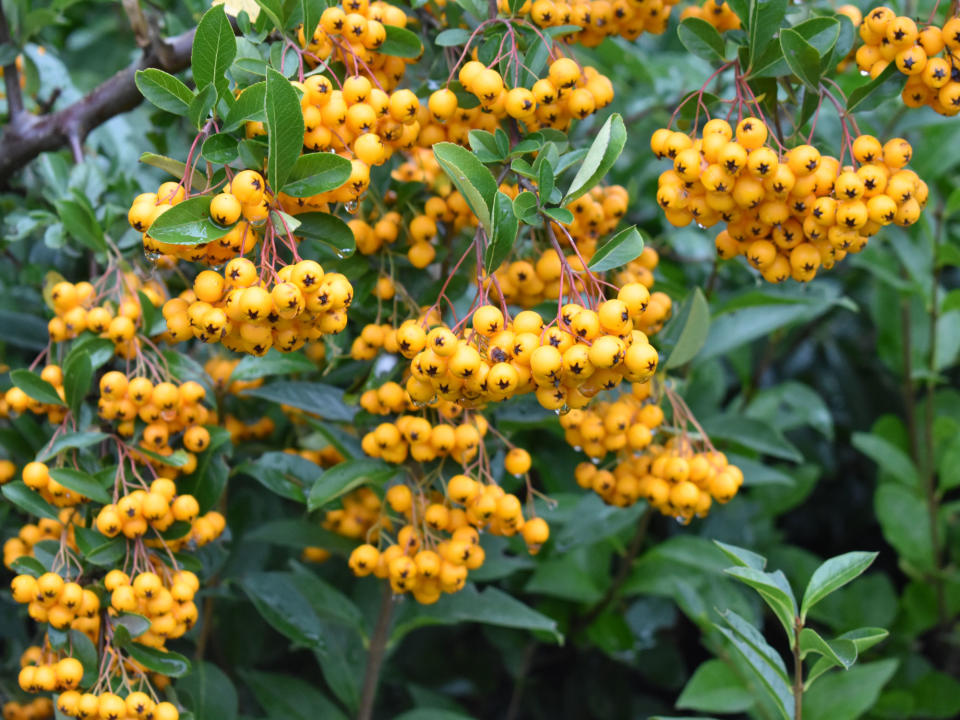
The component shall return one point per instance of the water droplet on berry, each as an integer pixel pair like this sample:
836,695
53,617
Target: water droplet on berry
351,206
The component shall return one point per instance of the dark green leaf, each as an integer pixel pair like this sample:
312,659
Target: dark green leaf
134,624
802,57
485,147
687,331
741,556
187,223
249,107
81,482
471,177
775,590
252,367
752,434
284,128
525,206
160,661
701,39
603,153
623,247
841,653
36,387
220,149
848,695
762,659
400,42
504,232
289,698
329,230
214,47
905,522
174,167
452,37
325,401
68,441
346,476
83,650
200,107
280,603
316,173
164,90
765,15
80,223
833,575
715,687
889,458
300,534
864,91
212,695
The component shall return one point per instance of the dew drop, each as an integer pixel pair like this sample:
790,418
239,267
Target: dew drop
351,206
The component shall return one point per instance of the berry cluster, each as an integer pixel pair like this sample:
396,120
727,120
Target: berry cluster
417,438
928,57
63,604
30,534
40,708
164,597
135,706
788,213
599,19
114,313
352,33
586,351
237,310
16,400
628,423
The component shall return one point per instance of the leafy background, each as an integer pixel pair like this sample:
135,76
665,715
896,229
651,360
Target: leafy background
826,394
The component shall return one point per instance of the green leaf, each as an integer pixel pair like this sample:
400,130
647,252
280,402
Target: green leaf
187,223
762,659
741,556
889,458
866,637
212,695
36,387
299,534
330,231
623,247
289,698
491,607
174,167
248,107
848,695
687,331
160,661
400,42
28,501
164,90
504,232
860,94
715,687
220,149
99,549
346,476
311,10
775,591
274,362
484,146
905,523
81,224
801,56
842,653
77,377
764,16
452,37
27,565
82,483
70,441
603,153
752,434
284,128
526,206
833,575
214,48
83,650
701,39
283,473
325,401
135,625
280,603
471,177
560,578
316,173
200,107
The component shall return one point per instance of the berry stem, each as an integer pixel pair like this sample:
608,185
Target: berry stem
378,646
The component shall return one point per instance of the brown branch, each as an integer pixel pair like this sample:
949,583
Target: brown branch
11,76
26,135
377,650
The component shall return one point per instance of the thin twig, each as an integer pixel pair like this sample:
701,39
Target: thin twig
378,646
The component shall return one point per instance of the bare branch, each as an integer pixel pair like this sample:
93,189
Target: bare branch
26,135
11,75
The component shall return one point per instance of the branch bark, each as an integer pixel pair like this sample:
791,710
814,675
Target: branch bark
26,135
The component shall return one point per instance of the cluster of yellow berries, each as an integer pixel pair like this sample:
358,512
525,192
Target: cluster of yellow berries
57,676
352,33
628,423
165,599
426,563
358,518
788,215
167,409
932,79
241,431
325,457
372,339
389,398
135,706
158,508
40,708
245,199
417,438
238,311
77,308
63,604
718,14
496,359
568,92
220,369
21,545
599,19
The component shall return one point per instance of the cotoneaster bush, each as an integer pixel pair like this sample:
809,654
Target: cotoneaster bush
548,323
